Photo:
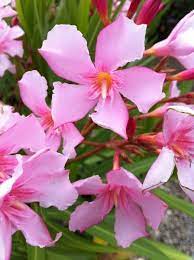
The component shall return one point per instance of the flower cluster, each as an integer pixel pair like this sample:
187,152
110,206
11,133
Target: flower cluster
48,136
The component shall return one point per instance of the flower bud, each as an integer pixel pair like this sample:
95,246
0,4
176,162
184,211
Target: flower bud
131,127
102,8
133,8
183,75
148,11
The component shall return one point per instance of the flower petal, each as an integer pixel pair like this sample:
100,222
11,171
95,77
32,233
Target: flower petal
5,237
111,113
70,103
161,169
47,168
68,56
25,134
129,223
128,38
89,186
14,48
31,225
89,214
53,139
71,138
187,60
135,80
186,173
33,91
123,177
153,209
5,64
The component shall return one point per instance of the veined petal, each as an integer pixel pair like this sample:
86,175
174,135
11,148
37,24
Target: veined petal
71,138
33,91
47,168
31,225
27,133
70,103
89,214
89,186
111,113
128,38
137,80
186,173
66,52
161,169
129,223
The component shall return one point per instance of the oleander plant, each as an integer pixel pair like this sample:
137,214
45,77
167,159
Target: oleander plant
96,116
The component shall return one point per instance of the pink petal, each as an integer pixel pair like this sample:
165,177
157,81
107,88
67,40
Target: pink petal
53,139
153,209
123,178
187,61
129,41
7,11
161,169
33,91
71,138
111,113
186,173
129,223
26,134
174,90
5,237
135,80
46,168
70,103
189,193
5,64
14,48
89,214
174,123
67,54
89,186
14,32
5,2
31,225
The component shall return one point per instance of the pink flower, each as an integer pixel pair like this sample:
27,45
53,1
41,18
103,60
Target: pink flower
177,148
33,91
42,179
124,192
23,133
102,8
6,10
101,84
180,43
9,46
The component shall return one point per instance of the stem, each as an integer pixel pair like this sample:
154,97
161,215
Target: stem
161,64
86,155
87,130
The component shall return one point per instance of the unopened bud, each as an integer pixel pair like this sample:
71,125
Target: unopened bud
133,8
148,11
102,8
131,127
183,75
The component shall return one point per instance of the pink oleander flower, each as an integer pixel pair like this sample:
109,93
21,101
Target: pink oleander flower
101,85
24,133
33,91
6,9
40,178
177,148
9,46
124,192
180,43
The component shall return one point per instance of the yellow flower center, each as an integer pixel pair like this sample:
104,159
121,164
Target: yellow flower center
104,81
